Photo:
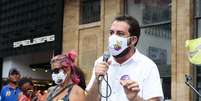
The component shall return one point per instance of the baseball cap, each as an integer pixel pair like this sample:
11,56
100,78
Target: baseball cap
13,71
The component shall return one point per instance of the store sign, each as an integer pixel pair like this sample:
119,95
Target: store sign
34,41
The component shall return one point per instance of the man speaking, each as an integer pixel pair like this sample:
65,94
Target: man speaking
131,75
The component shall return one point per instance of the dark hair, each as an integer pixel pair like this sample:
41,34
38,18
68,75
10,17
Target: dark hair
13,71
25,80
81,75
134,27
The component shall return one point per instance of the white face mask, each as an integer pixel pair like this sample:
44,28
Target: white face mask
117,44
59,77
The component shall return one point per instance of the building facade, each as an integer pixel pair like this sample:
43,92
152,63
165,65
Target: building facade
31,32
165,24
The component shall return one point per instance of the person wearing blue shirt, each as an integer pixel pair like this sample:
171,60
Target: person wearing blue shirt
11,92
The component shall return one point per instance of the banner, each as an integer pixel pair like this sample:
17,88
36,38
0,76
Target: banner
194,50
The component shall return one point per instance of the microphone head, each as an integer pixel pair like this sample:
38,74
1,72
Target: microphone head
106,56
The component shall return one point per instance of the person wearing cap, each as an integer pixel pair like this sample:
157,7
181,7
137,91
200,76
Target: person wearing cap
11,92
66,79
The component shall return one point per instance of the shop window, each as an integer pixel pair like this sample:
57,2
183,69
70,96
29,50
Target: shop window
28,19
196,34
89,11
154,17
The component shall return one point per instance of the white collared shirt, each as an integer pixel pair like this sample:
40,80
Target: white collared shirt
139,68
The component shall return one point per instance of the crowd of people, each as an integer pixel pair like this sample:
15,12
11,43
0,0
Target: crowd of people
19,89
69,80
131,75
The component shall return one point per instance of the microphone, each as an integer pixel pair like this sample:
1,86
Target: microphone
106,56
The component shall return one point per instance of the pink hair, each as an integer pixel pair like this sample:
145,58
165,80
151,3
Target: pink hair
72,55
67,60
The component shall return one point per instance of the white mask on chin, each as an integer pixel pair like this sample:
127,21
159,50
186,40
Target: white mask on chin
117,44
59,78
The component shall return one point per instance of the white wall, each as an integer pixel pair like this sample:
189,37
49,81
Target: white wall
22,63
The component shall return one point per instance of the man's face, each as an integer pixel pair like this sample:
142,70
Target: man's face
27,86
119,28
14,77
27,89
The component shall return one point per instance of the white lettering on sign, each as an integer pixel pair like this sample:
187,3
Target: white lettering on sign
35,41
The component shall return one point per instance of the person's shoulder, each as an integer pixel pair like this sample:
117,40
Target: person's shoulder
77,93
145,60
99,59
51,88
5,87
77,88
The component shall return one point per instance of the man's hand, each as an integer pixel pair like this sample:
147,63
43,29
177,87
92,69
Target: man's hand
131,89
101,69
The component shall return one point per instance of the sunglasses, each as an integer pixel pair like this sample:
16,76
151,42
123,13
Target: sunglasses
56,70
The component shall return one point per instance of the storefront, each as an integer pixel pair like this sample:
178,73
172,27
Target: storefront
196,34
154,17
30,34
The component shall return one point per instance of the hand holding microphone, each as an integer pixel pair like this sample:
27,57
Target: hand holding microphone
100,71
101,68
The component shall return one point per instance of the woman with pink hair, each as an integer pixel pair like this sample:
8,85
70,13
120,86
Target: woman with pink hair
65,76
